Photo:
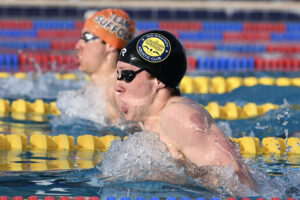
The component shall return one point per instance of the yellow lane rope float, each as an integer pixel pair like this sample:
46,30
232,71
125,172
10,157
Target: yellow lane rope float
38,109
220,85
88,150
196,84
61,148
59,76
38,141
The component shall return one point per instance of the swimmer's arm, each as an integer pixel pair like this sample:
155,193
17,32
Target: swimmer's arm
190,128
201,141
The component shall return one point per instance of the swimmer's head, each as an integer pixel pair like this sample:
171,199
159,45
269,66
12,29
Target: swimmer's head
113,26
158,52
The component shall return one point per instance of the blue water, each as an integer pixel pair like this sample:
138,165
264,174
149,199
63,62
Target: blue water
87,182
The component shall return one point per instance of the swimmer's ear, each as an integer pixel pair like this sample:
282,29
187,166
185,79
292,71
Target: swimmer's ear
160,84
110,48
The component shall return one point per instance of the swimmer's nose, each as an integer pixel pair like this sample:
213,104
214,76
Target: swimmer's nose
118,87
78,44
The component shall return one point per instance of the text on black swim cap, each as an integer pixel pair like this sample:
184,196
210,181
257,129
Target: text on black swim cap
153,47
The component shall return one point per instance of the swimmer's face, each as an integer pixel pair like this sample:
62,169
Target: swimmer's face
136,96
91,52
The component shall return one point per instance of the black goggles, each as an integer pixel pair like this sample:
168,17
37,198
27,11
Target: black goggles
128,75
87,37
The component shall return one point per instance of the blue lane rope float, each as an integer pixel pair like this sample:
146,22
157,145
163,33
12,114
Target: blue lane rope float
126,198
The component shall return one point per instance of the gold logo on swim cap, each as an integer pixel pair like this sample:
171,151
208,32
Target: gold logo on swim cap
154,47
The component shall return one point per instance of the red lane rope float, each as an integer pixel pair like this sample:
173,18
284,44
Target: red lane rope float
16,24
45,61
283,48
199,46
58,33
248,36
114,198
63,45
192,26
268,27
280,64
78,24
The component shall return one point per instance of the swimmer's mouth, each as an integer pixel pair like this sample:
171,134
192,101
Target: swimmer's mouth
124,109
77,60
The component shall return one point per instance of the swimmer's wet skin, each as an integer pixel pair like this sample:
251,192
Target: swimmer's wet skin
152,98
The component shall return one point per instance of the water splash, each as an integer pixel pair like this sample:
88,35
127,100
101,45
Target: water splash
45,86
225,126
259,126
142,156
36,65
14,88
85,103
286,185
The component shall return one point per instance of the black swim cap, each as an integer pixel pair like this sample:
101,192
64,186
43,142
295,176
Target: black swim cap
158,52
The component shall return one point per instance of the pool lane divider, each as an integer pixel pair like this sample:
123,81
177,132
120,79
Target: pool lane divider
58,76
38,141
196,84
46,153
268,145
220,85
128,198
231,111
37,110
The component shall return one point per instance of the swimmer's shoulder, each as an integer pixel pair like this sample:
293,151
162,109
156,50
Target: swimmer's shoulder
179,103
179,108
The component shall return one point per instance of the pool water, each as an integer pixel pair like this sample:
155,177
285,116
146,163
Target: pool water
126,165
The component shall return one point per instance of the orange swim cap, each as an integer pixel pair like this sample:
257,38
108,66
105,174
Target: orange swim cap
113,26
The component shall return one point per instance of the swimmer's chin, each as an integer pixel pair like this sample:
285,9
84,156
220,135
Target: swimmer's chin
78,61
129,117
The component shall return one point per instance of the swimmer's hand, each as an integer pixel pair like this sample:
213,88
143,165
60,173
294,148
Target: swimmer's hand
246,179
219,179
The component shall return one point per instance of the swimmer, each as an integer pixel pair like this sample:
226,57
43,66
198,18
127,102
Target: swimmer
149,69
103,36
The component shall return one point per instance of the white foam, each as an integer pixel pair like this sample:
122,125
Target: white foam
225,127
13,87
43,182
269,187
86,103
140,157
37,86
